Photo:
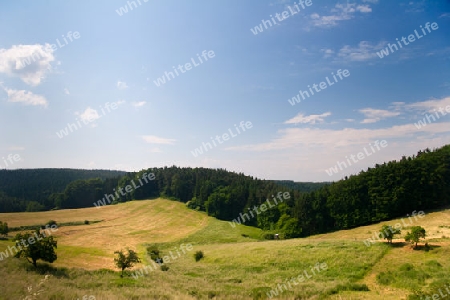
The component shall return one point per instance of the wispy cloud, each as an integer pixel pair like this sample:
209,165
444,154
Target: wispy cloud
375,115
121,85
152,139
363,52
429,105
416,6
138,104
340,12
311,119
25,97
311,137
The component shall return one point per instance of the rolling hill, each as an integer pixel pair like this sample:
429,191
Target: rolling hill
238,264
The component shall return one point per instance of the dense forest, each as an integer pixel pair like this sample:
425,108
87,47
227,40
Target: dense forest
386,191
30,189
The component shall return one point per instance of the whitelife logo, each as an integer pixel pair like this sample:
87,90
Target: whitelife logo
381,235
187,66
31,240
280,17
37,56
319,87
225,137
128,189
411,38
342,165
263,207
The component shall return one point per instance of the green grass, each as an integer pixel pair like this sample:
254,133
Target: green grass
237,264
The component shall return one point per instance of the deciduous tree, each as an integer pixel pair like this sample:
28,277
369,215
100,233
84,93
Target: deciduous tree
36,246
125,261
417,232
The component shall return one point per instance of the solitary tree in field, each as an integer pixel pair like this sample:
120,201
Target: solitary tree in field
4,228
388,232
36,246
124,261
417,232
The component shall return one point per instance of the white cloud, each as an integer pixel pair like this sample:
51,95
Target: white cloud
89,115
66,91
364,8
375,115
445,15
327,52
429,105
328,138
311,119
139,104
152,139
121,85
340,12
25,97
363,52
31,63
293,137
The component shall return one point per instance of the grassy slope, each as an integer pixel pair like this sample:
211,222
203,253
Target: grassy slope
234,267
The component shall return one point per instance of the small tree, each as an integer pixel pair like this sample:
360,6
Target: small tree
388,232
417,232
4,228
124,261
198,255
36,246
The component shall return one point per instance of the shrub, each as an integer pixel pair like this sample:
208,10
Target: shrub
154,253
164,268
51,223
348,287
198,255
86,222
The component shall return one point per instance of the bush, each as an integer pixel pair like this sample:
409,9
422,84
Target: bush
86,222
51,223
198,255
154,253
348,287
164,268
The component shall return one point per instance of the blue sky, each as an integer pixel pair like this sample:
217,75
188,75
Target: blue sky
103,78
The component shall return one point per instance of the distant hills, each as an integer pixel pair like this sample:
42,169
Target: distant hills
389,190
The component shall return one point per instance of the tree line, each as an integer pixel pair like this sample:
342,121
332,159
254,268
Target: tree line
386,191
30,189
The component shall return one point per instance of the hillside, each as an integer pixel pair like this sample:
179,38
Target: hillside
237,263
40,185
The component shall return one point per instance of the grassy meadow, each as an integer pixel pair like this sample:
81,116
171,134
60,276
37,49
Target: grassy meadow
238,264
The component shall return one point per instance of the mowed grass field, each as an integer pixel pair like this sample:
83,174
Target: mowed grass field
237,263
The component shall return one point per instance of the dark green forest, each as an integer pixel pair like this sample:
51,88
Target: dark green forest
386,191
30,189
